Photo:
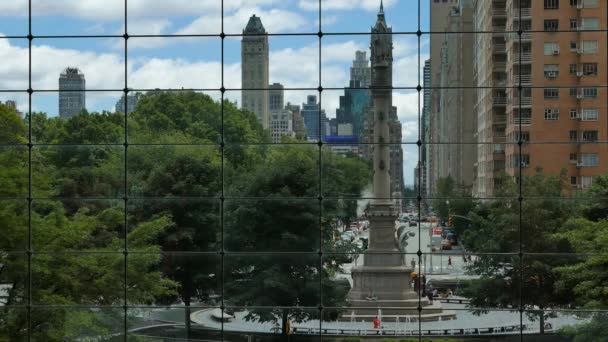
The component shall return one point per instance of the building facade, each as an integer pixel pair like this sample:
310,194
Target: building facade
131,102
254,70
281,125
299,127
563,97
490,61
72,94
455,119
276,96
440,10
425,131
315,119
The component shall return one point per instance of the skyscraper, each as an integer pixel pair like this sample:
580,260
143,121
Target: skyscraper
254,70
131,100
72,98
315,119
563,97
425,130
439,12
276,96
360,71
490,60
455,118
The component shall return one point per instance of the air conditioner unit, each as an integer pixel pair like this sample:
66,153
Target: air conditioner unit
579,73
579,164
579,51
524,164
551,74
579,5
555,52
580,96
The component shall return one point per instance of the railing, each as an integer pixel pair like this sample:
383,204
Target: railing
525,79
498,329
499,47
514,37
525,13
499,65
523,121
525,101
499,101
524,58
500,119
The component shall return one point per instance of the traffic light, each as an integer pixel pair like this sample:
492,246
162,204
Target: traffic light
450,222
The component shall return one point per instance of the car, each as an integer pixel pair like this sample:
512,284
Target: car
412,223
446,245
348,236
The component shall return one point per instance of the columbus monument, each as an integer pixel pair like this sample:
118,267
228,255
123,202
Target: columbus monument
382,285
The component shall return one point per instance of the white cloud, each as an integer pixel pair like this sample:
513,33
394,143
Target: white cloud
368,5
274,21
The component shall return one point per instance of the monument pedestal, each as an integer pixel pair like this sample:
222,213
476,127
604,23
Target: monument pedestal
382,285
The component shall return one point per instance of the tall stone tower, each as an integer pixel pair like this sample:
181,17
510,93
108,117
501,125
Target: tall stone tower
72,95
254,69
382,284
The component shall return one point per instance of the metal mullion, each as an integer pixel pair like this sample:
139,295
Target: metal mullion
126,185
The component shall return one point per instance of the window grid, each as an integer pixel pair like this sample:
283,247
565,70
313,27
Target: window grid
30,196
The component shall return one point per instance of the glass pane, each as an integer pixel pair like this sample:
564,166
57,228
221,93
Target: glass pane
288,170
176,225
175,117
57,279
76,323
72,65
271,225
183,171
174,279
78,171
78,225
268,280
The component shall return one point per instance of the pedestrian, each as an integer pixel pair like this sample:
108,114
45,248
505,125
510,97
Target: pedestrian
423,285
413,263
376,323
450,293
435,293
464,258
470,259
450,262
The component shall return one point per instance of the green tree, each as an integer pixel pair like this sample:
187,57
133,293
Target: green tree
280,223
495,228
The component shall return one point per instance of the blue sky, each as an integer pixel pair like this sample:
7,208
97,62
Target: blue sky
160,62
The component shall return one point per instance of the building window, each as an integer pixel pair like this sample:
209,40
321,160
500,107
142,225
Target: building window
573,46
522,136
589,92
551,24
573,24
573,157
590,3
590,24
551,70
551,48
573,135
586,182
551,4
590,69
589,159
551,114
589,46
589,114
551,93
573,68
573,114
573,180
574,2
590,136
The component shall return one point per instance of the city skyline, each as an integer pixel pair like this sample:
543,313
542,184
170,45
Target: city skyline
196,62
